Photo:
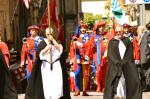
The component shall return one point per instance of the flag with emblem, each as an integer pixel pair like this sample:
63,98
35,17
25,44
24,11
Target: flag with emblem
117,11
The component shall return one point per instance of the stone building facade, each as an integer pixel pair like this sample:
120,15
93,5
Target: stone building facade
15,18
5,20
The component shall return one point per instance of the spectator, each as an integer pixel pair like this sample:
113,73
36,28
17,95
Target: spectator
122,81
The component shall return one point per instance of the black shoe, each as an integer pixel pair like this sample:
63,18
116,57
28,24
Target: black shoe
145,90
85,94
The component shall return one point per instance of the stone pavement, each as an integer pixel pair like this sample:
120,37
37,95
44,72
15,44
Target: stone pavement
93,95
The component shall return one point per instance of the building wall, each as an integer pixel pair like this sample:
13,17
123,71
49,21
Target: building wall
5,20
72,11
147,13
14,22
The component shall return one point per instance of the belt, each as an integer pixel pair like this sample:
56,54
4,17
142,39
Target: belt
51,64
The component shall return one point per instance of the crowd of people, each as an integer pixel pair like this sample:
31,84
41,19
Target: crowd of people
120,63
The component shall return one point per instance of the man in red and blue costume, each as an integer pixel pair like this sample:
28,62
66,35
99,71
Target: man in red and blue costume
99,43
80,58
29,47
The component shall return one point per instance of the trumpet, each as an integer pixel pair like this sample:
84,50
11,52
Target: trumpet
24,40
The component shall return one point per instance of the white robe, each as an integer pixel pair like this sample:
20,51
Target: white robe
52,79
121,88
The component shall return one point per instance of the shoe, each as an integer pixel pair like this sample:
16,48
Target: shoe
116,97
85,93
145,90
77,93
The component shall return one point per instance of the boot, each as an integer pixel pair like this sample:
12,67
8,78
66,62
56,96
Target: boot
77,93
85,93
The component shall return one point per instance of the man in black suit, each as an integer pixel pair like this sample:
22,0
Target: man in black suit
145,58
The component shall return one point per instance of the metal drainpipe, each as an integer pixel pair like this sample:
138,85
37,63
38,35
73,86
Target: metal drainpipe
142,14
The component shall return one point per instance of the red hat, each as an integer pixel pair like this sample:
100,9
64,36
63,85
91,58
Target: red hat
84,26
99,24
33,27
126,25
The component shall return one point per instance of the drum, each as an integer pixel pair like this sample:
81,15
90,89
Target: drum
18,72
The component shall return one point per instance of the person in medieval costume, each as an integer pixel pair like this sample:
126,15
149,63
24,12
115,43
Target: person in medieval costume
99,43
46,78
122,81
7,89
5,50
80,59
29,48
145,56
136,48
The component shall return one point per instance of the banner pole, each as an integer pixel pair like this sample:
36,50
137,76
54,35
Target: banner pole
49,18
49,26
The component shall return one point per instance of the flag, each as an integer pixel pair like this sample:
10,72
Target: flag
61,35
118,13
53,15
27,3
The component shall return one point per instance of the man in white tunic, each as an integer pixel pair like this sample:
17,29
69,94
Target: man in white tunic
47,75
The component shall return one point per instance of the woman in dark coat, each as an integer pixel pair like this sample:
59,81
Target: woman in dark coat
7,89
121,67
145,56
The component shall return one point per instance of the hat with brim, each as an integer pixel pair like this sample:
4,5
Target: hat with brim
98,25
85,26
33,27
126,25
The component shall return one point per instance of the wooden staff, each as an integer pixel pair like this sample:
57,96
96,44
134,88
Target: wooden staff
49,25
49,13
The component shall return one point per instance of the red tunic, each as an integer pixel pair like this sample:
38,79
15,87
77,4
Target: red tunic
27,49
136,48
102,67
73,56
5,51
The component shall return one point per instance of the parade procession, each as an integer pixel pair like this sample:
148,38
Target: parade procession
74,49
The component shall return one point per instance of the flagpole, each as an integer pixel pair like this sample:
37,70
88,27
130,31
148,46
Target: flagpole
49,14
49,25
